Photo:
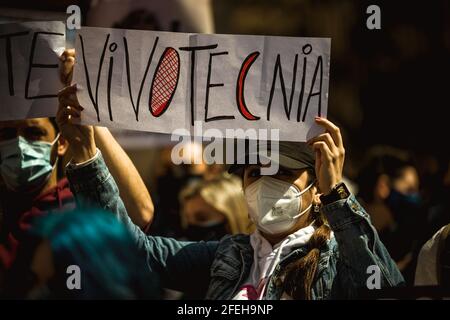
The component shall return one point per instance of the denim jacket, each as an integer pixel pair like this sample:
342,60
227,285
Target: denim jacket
217,269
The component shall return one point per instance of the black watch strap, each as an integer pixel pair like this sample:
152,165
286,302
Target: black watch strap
339,192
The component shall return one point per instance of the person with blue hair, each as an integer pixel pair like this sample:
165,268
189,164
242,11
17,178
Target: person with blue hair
82,254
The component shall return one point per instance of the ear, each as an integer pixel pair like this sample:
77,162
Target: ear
382,188
316,194
316,199
63,145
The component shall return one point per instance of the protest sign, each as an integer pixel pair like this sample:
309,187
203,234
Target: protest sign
162,81
185,16
29,78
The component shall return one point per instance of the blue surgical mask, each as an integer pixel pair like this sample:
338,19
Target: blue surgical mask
25,166
397,199
404,206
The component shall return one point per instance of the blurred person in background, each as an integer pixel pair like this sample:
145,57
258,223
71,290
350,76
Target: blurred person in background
171,180
389,188
103,250
438,213
214,208
433,264
209,210
30,186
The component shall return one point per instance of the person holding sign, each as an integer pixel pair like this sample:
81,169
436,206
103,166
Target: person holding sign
313,239
31,151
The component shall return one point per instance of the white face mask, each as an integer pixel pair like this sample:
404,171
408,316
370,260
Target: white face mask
274,204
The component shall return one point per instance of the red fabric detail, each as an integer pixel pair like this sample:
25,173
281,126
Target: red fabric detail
55,200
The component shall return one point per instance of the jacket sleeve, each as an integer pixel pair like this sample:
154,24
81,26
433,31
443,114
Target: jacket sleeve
361,253
176,262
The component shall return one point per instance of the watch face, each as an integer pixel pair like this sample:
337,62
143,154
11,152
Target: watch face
342,191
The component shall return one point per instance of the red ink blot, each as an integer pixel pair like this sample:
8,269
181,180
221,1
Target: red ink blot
164,81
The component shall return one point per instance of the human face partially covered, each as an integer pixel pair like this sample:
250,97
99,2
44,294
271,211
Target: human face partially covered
32,133
301,180
408,182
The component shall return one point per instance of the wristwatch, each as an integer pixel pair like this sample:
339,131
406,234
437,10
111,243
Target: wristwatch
338,192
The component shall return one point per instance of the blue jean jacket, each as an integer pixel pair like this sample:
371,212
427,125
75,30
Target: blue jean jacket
217,269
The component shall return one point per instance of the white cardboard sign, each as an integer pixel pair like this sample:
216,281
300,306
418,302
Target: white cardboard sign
163,81
29,78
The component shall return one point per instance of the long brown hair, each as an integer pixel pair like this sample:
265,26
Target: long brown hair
300,274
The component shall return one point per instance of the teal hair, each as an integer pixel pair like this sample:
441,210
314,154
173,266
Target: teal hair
111,265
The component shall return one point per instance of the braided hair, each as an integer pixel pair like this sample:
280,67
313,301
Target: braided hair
300,275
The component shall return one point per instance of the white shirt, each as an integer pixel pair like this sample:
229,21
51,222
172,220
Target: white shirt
266,258
426,271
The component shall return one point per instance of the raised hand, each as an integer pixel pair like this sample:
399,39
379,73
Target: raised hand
330,155
80,137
